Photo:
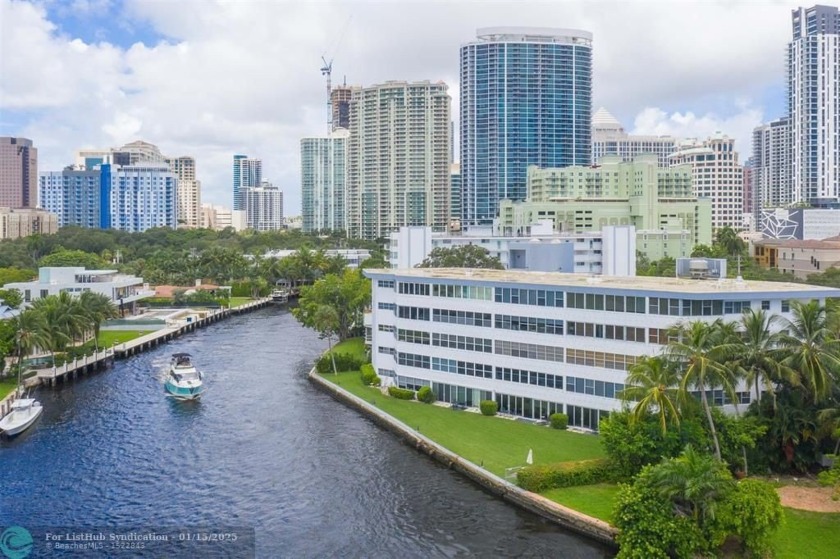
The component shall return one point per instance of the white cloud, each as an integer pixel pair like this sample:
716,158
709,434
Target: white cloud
244,77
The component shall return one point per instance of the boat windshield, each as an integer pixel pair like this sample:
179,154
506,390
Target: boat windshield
187,376
182,362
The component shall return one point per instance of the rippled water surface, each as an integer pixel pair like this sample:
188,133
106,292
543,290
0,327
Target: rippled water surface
264,449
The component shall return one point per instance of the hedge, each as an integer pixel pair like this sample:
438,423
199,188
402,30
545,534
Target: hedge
488,407
343,362
401,393
564,474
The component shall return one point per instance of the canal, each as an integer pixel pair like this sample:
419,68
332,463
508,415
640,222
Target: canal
263,450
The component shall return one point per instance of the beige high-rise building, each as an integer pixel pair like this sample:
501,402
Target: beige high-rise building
717,175
219,218
189,191
23,222
610,138
340,97
18,173
398,158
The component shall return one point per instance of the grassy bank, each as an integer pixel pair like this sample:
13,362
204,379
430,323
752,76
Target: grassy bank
497,443
239,301
492,442
7,386
107,338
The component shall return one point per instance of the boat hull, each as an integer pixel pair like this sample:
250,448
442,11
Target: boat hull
16,423
184,392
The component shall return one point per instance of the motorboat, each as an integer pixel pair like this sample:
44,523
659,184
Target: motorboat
24,412
280,296
184,381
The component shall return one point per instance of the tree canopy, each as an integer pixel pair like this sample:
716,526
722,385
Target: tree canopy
348,294
464,256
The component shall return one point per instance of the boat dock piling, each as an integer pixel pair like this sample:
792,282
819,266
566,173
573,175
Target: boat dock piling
105,357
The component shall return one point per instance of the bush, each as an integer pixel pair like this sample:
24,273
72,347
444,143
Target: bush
631,445
559,420
488,407
369,376
401,393
426,395
648,527
753,512
343,362
564,474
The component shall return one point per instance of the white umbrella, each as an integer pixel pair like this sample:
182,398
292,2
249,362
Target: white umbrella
530,459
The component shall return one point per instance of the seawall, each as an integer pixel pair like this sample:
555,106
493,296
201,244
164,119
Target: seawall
588,526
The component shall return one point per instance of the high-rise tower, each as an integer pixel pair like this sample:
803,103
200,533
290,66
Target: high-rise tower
18,173
323,173
813,76
526,99
247,173
398,158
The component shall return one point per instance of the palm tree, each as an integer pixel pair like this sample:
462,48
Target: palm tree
29,333
704,350
812,348
652,383
694,482
758,355
98,308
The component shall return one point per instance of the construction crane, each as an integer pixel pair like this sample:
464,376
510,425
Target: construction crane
326,70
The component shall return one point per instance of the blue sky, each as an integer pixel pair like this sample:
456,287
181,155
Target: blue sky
212,78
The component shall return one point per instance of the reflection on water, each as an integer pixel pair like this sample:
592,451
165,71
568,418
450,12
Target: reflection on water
263,448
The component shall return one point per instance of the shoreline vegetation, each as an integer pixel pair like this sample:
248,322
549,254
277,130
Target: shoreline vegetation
497,443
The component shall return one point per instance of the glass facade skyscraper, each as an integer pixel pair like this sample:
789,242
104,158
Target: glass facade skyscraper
526,99
247,173
323,174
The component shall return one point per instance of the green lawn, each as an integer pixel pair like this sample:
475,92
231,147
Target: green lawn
353,346
107,338
807,534
239,301
7,385
492,442
594,500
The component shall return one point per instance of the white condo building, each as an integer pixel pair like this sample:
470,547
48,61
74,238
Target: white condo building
398,158
263,207
610,251
220,217
813,74
323,173
716,175
539,343
609,138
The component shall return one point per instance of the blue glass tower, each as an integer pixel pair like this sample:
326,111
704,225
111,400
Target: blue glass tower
526,99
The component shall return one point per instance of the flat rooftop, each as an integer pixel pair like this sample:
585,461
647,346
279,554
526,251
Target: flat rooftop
637,283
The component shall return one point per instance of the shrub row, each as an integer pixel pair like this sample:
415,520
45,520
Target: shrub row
401,393
564,474
343,362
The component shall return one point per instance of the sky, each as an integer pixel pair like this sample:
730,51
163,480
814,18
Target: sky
209,78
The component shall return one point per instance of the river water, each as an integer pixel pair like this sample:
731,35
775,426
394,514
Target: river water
265,455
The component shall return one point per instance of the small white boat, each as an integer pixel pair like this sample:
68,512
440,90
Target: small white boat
24,413
184,381
280,296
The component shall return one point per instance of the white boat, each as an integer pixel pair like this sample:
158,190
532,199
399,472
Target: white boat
280,296
184,381
24,413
